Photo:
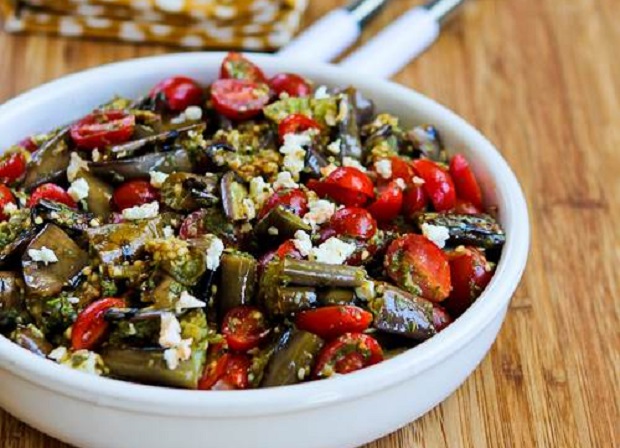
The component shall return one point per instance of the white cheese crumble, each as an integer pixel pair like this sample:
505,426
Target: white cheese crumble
294,152
321,93
58,354
73,300
284,180
383,167
43,255
79,189
214,253
187,301
181,352
82,360
334,147
301,374
168,232
76,164
417,181
353,163
260,191
273,231
249,208
9,209
170,330
436,234
401,183
302,243
96,155
366,291
158,178
192,113
333,251
145,211
319,212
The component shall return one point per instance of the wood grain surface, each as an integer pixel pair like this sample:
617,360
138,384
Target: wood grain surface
541,78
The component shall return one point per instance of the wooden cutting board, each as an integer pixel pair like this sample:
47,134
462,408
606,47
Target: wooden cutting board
541,78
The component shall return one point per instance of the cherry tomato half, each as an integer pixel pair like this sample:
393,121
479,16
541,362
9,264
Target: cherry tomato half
227,371
286,249
437,183
12,167
290,83
470,273
244,328
215,367
294,200
239,99
418,266
6,197
237,66
50,192
102,128
415,200
134,193
90,326
389,202
178,93
295,124
465,182
346,185
332,321
353,222
399,169
346,354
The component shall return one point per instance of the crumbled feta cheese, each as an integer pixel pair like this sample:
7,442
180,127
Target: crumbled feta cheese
383,167
294,152
187,301
366,291
249,208
145,211
58,354
334,147
86,361
131,329
168,232
73,300
301,374
260,191
333,251
180,352
302,243
273,231
353,163
401,183
436,234
319,212
193,113
9,209
76,164
214,253
158,178
79,189
321,93
43,255
96,155
417,181
170,331
284,180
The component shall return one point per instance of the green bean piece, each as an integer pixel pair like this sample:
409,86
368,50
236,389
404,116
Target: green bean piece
285,222
238,280
336,296
350,145
477,230
290,300
293,359
234,194
313,273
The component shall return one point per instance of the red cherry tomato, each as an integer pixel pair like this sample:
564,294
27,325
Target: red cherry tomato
294,200
178,93
28,144
332,321
102,128
292,84
389,202
237,369
215,367
134,193
401,169
346,185
470,273
466,208
415,200
239,99
244,328
437,183
349,352
237,66
12,167
6,197
50,192
441,318
353,222
465,182
90,326
295,124
286,249
419,266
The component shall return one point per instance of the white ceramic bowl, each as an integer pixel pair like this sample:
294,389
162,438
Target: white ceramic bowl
347,411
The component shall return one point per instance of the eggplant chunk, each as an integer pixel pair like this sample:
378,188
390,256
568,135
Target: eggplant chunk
12,310
286,223
67,218
398,312
147,365
116,243
48,279
32,339
162,139
476,230
350,143
425,139
187,192
238,280
49,162
99,195
117,171
293,359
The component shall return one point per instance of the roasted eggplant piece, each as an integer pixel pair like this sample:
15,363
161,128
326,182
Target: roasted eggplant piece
49,163
475,230
293,359
398,312
425,139
238,280
164,138
48,279
237,206
285,221
350,143
17,244
69,219
187,192
32,339
116,243
314,161
12,309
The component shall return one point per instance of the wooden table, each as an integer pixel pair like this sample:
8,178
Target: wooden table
541,79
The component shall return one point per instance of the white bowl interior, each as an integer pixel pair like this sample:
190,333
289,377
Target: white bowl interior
59,102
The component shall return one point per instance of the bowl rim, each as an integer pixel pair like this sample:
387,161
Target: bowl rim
156,400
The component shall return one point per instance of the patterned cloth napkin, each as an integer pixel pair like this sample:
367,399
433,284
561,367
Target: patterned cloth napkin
263,25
